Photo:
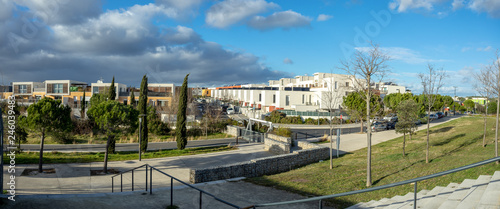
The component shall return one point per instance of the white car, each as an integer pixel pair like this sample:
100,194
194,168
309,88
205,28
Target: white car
230,110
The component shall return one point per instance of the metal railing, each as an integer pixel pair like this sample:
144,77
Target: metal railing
201,192
415,180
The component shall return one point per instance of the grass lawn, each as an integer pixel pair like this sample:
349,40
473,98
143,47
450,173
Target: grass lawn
85,157
453,144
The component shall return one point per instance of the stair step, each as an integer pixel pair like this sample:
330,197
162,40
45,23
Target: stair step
458,195
384,202
401,201
491,195
475,193
440,197
420,195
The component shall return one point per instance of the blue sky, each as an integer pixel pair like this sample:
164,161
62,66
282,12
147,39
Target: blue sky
236,41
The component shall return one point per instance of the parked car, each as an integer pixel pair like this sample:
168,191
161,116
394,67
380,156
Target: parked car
433,117
440,114
379,126
391,117
374,120
230,110
391,125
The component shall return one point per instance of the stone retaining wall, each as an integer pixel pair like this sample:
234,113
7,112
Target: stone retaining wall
280,138
263,166
276,147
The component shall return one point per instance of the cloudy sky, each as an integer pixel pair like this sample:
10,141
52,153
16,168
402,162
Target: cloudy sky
242,41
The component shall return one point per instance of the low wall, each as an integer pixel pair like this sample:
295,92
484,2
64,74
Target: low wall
232,130
263,166
280,138
276,147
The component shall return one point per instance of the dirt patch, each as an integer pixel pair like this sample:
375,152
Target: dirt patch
34,172
100,172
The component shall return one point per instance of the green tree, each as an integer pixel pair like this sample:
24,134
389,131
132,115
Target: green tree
112,90
143,109
407,115
180,128
132,97
355,105
82,111
469,104
492,107
113,118
45,117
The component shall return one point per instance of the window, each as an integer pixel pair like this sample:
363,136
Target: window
95,90
397,90
347,84
310,99
274,98
287,100
260,97
23,89
303,97
335,84
58,88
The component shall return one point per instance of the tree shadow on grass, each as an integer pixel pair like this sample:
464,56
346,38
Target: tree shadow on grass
396,172
446,141
441,130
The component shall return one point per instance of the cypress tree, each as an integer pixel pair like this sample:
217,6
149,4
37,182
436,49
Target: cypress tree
143,109
82,111
132,97
112,90
180,128
112,96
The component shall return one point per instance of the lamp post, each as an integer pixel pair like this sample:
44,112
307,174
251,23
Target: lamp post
317,111
140,135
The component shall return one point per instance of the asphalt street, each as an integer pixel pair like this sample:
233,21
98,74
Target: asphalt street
124,146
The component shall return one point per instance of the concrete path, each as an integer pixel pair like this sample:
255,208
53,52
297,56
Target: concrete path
75,178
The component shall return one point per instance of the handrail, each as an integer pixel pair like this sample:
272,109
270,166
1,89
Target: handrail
128,170
171,184
415,180
200,190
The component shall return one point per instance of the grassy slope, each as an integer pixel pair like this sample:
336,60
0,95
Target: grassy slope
77,157
453,144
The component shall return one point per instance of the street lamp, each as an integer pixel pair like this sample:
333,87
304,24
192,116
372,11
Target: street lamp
140,135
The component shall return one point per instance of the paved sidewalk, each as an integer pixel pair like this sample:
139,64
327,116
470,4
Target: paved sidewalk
356,141
75,178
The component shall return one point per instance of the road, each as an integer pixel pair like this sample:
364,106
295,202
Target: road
124,146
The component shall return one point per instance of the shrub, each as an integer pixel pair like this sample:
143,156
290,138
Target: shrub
283,131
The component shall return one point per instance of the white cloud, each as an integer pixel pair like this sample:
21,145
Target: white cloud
288,61
402,54
63,12
286,20
126,43
464,49
457,4
323,17
229,12
485,49
492,7
404,5
180,4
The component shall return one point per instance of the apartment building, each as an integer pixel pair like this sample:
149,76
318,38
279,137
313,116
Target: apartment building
71,92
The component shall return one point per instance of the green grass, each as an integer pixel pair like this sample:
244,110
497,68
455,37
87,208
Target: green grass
453,144
85,157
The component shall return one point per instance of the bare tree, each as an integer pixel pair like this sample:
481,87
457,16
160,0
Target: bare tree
431,83
484,87
366,66
494,68
331,101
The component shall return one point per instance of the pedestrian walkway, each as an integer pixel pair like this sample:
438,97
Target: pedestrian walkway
76,178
